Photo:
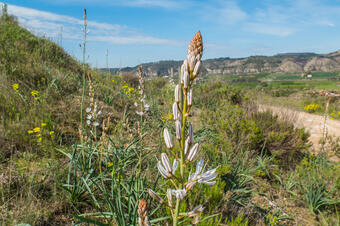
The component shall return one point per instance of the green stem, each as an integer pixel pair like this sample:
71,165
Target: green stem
184,116
84,83
176,213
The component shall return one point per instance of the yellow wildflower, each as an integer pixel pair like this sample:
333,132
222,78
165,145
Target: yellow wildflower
109,164
43,124
166,117
30,131
35,93
311,107
39,139
15,86
36,129
51,133
39,135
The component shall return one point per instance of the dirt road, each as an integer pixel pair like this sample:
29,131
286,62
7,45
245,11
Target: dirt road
314,124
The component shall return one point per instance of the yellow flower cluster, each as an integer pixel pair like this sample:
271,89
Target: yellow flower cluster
35,94
15,87
38,131
128,90
311,107
166,117
335,113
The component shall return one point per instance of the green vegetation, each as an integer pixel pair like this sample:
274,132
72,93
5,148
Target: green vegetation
266,173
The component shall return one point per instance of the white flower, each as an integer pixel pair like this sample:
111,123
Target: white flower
88,110
195,211
179,193
164,166
202,178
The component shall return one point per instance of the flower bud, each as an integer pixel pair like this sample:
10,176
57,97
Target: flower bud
184,68
197,68
178,130
186,146
192,153
155,196
190,134
166,162
169,196
191,62
189,97
167,139
177,94
175,111
186,80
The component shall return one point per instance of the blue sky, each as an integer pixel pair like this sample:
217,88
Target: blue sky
140,31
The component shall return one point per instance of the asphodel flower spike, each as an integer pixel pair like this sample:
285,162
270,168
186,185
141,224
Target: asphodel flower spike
185,152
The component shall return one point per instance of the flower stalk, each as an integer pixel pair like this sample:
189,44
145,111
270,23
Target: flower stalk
185,153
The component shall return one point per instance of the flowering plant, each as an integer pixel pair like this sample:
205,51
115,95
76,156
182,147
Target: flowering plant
182,182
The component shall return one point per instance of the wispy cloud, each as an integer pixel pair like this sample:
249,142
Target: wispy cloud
270,29
165,4
51,24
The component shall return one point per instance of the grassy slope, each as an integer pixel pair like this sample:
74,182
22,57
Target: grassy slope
30,168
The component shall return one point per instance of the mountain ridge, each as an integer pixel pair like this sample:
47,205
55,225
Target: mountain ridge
279,63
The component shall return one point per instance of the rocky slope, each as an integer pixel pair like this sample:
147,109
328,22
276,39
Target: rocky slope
280,63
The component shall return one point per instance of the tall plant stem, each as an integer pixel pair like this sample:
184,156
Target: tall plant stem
181,161
84,81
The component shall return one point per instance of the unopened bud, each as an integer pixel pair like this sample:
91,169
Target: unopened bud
175,111
190,97
178,130
155,196
191,62
166,162
169,196
197,68
186,80
192,153
186,146
190,134
167,139
184,68
177,94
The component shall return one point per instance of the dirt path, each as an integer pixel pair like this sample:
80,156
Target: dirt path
314,124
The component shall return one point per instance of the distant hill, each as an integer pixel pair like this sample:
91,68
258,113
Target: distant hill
279,63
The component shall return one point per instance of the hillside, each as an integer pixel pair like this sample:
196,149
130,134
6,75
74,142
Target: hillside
280,63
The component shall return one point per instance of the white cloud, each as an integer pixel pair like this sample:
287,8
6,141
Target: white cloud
270,29
50,24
